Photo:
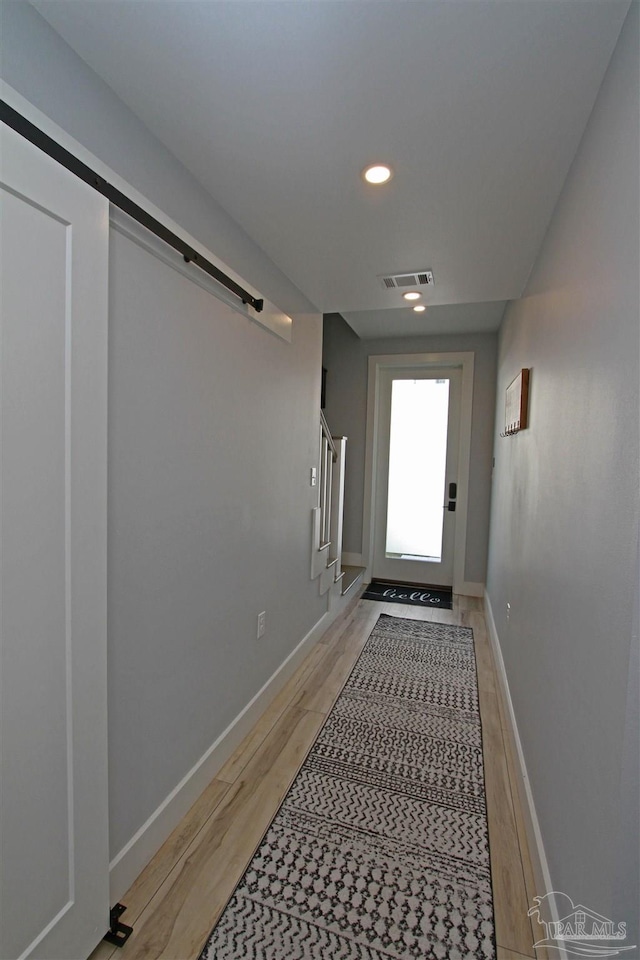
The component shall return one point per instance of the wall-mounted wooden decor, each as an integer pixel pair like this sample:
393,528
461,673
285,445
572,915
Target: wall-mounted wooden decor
517,404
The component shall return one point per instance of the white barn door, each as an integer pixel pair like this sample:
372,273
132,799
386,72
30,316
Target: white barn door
53,734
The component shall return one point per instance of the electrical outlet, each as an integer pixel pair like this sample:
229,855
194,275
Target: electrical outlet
508,612
262,623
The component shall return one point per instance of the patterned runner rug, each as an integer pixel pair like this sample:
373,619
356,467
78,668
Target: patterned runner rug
380,848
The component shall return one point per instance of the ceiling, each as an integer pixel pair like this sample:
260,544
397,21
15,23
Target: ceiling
276,106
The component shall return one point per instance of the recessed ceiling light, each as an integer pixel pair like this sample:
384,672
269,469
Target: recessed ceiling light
420,308
412,295
377,173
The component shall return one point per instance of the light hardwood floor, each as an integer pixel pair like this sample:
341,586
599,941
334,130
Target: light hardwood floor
177,899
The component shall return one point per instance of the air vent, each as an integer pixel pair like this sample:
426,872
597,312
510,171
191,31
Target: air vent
419,278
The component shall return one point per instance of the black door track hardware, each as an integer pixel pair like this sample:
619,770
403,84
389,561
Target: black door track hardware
118,933
68,160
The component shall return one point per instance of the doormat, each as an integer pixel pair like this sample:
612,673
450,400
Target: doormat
441,597
380,849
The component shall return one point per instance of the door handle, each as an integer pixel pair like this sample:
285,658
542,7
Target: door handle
453,493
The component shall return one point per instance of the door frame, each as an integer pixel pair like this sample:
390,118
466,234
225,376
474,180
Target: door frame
383,362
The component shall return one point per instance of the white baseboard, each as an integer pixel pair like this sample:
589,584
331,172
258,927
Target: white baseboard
352,559
539,863
469,589
135,855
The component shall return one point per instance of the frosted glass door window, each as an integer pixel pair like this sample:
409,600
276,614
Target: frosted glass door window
417,468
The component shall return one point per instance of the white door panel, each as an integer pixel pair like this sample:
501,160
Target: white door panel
54,825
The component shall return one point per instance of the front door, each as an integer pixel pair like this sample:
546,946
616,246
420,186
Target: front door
416,475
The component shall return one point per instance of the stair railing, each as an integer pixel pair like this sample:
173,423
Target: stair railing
328,456
326,551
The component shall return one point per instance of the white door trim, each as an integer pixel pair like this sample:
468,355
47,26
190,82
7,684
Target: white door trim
463,360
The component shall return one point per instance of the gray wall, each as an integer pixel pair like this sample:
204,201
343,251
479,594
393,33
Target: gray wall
213,426
346,359
565,511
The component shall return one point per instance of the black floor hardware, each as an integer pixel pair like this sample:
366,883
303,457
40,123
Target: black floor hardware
118,933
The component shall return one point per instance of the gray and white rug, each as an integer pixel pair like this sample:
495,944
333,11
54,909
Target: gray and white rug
380,848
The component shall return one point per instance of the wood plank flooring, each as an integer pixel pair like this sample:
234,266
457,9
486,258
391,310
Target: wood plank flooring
178,898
